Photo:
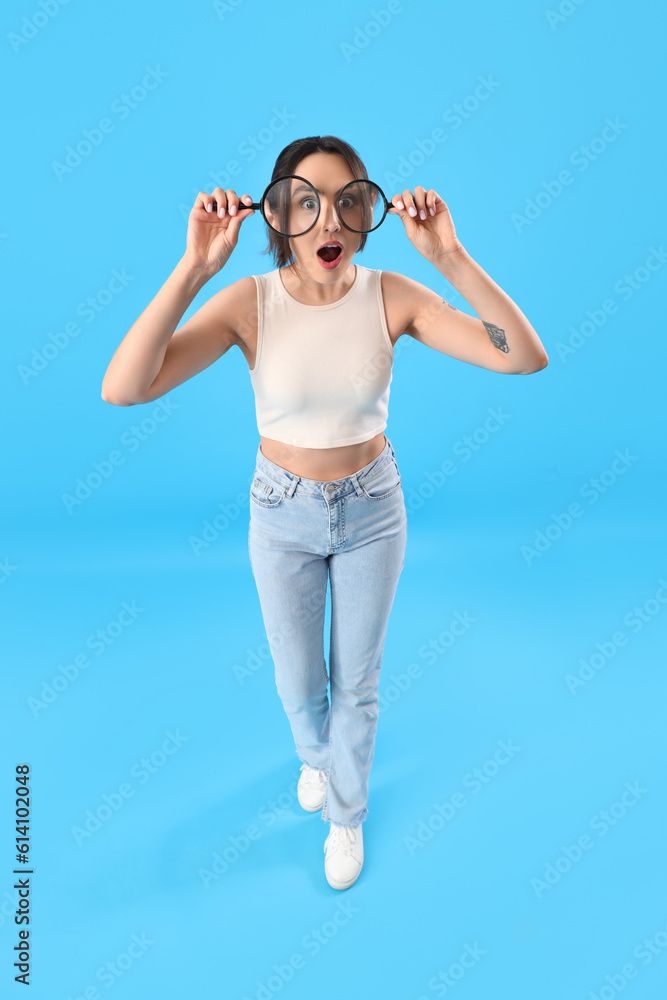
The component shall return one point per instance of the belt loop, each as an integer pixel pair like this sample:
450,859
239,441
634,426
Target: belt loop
355,482
293,485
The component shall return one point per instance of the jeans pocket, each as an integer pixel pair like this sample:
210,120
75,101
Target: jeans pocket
265,493
384,484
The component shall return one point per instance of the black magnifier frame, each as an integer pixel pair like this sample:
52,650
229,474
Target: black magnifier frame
260,205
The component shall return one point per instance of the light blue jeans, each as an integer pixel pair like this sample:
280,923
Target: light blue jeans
352,532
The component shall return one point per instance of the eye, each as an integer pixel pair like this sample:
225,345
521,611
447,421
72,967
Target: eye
308,204
348,201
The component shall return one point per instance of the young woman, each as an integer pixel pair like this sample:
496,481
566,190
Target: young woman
326,502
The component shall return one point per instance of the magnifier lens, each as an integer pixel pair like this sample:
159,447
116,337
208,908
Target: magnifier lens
291,206
361,206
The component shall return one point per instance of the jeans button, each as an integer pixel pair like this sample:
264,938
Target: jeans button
330,488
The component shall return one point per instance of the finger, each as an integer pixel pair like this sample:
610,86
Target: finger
420,201
204,201
409,202
397,203
235,221
241,215
224,200
232,201
242,207
431,199
221,202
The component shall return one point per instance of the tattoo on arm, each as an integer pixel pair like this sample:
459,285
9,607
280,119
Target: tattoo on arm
498,338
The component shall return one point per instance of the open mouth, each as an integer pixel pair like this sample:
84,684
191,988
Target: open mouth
330,252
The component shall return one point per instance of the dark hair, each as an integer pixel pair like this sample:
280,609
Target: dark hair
287,163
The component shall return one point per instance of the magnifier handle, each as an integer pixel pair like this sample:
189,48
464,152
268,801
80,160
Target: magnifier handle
241,205
391,208
256,205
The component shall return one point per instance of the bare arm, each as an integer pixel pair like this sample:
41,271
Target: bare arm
518,349
139,357
502,339
152,358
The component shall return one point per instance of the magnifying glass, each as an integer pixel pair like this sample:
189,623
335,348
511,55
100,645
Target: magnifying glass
290,206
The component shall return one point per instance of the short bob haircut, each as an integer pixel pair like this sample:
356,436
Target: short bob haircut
287,163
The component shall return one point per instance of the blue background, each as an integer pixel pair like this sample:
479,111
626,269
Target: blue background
193,661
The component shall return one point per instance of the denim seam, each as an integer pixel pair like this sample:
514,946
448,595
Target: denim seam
325,808
262,503
343,535
383,496
264,467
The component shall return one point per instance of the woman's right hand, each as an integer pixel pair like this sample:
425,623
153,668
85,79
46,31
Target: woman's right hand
212,235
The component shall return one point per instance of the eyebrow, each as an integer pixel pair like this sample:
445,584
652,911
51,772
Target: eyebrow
310,187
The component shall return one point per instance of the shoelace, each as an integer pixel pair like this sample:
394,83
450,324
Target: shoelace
314,776
341,837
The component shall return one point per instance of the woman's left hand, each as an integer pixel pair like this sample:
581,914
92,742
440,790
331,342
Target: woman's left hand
434,236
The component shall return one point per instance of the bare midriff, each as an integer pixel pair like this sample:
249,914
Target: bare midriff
323,464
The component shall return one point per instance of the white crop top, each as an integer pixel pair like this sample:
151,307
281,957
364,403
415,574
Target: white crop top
322,373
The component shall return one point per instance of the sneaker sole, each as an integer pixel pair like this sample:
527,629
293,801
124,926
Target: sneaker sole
311,809
335,884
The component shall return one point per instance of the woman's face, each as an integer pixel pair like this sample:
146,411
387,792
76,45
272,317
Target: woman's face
328,173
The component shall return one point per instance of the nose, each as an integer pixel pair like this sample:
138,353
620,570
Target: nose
330,217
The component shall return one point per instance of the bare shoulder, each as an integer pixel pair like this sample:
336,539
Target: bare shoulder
409,299
236,306
205,337
403,298
237,303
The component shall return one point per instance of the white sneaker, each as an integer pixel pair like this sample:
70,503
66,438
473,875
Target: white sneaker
311,789
344,855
